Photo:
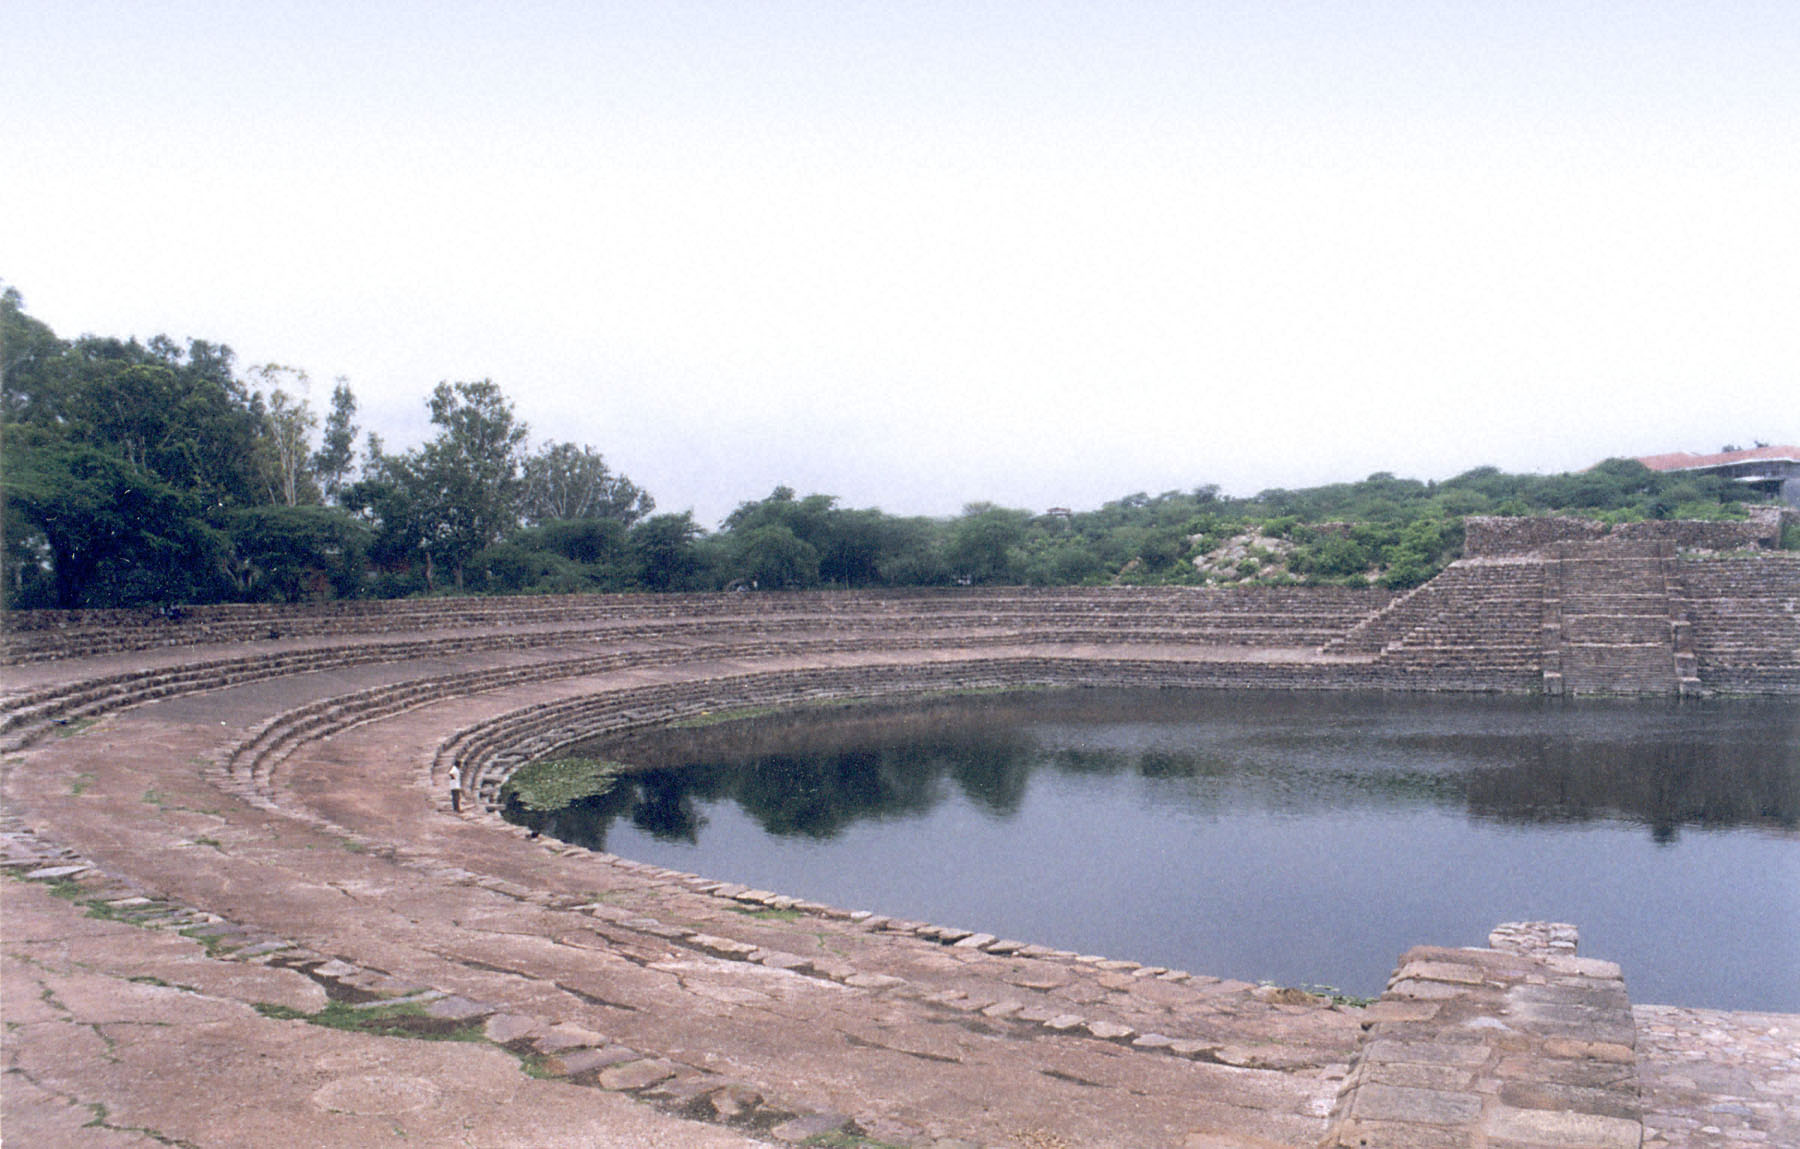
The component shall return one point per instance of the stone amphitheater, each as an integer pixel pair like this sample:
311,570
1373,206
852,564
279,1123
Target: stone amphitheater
239,898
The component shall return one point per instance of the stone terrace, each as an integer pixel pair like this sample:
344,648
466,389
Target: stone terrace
282,802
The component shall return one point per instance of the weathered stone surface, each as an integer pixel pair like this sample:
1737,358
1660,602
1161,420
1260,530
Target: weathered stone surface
1537,1127
453,1008
810,1126
566,1035
1111,1031
635,1075
505,1028
733,1101
721,947
1377,1102
579,1061
1454,972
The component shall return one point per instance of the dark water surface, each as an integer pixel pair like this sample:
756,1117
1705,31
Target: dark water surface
1304,839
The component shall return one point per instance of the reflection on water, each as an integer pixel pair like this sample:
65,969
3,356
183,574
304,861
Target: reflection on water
1302,838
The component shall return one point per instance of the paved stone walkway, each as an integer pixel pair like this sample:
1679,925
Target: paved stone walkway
1713,1079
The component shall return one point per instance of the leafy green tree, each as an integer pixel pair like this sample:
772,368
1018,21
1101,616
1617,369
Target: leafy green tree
331,463
114,535
286,432
566,481
473,465
293,554
981,543
33,365
666,552
454,496
773,556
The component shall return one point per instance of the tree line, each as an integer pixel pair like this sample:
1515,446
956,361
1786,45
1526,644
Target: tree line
158,472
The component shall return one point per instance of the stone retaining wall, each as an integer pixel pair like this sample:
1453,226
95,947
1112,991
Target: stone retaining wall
1250,616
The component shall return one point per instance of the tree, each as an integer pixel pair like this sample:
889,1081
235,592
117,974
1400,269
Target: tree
566,481
287,426
337,445
114,535
665,550
458,493
773,556
178,415
982,541
291,554
33,363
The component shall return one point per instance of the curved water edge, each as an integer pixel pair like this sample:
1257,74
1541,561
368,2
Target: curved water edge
1297,838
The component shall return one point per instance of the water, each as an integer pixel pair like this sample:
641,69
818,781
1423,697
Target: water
1304,839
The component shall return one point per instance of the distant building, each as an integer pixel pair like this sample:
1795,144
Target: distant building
1775,471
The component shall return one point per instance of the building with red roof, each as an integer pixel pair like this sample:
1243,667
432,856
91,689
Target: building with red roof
1773,470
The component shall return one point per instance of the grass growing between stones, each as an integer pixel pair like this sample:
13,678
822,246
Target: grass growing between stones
211,943
407,1019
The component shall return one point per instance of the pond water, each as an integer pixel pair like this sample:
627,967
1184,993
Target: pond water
1303,839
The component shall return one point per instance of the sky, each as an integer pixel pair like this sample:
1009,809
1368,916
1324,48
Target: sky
921,254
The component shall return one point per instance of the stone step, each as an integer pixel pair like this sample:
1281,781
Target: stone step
1523,1045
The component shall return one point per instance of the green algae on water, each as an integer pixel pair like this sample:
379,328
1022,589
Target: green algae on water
552,783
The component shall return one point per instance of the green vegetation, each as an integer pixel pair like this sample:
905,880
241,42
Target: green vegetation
401,1019
552,783
155,474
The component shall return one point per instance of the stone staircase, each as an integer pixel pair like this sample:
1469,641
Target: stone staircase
1521,1045
1615,621
1745,612
1473,627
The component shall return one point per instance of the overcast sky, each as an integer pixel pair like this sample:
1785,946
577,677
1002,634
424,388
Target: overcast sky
920,254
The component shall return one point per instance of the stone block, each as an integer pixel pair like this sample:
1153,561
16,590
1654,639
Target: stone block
455,1008
1377,1102
1584,967
505,1028
1572,1098
802,1129
1390,1135
1111,1031
566,1035
1553,1130
1428,1052
632,1075
1455,972
1419,989
793,963
721,947
1393,1010
1592,1050
579,1061
1414,1075
734,1101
